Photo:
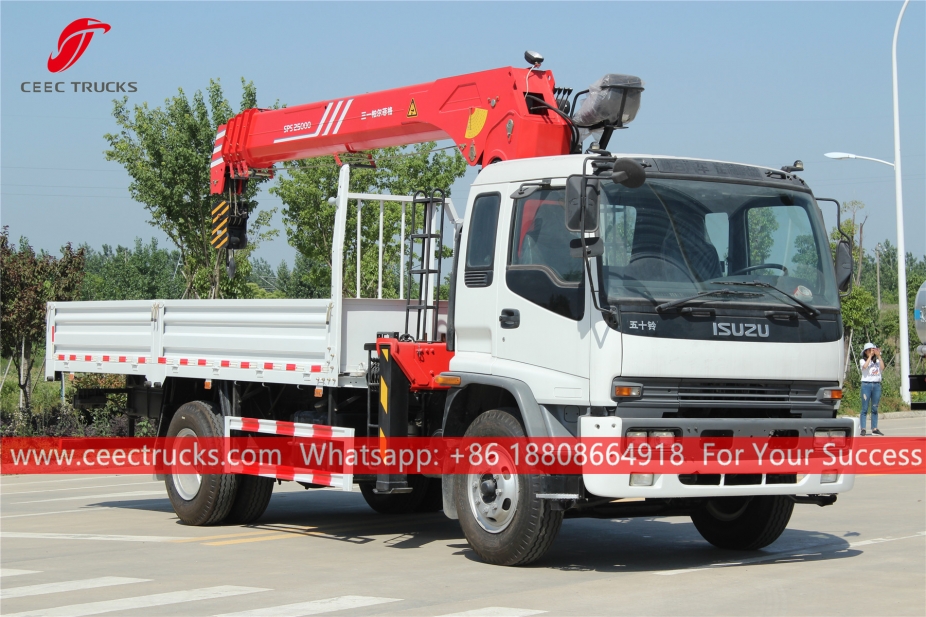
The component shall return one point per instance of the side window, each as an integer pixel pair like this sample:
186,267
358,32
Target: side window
480,246
540,266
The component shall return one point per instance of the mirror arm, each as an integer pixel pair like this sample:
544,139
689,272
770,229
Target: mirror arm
610,313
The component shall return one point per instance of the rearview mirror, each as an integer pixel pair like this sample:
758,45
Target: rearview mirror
628,173
582,203
843,266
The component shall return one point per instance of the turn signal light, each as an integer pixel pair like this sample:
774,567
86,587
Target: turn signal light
448,380
627,391
832,394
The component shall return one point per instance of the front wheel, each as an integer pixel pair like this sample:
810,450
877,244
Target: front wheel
743,523
501,516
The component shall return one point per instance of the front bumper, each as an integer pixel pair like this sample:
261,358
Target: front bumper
667,485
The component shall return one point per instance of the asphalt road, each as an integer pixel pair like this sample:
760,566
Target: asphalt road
111,544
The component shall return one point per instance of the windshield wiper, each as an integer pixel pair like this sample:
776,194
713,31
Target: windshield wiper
714,292
810,309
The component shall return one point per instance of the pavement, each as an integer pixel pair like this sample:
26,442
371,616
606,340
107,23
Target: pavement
88,545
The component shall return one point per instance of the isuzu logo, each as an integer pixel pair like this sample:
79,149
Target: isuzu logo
741,329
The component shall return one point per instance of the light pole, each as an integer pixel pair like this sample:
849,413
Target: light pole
898,193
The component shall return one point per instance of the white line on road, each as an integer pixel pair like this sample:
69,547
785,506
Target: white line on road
88,583
10,482
140,602
786,555
28,535
91,509
108,495
80,488
13,572
497,611
315,607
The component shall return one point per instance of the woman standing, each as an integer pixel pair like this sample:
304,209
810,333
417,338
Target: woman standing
872,367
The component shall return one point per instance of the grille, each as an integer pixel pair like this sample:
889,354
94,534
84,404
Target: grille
725,393
477,279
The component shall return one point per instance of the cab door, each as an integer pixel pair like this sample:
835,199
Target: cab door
542,328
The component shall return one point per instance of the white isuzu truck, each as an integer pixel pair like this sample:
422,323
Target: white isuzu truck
673,297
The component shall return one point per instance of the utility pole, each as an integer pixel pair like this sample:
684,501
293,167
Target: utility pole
878,268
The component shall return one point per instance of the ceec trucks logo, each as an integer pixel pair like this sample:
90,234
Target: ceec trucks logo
73,42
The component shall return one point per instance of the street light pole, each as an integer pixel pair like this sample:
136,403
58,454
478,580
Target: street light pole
901,250
898,196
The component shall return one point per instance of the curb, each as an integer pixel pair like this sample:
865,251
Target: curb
892,415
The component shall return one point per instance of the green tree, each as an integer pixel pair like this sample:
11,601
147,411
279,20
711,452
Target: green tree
28,281
762,224
166,151
145,272
309,217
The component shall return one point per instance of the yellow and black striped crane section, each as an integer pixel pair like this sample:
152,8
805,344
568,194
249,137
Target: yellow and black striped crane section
220,225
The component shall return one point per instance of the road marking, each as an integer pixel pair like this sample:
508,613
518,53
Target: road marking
89,583
496,611
80,488
93,509
315,607
281,536
785,555
226,535
140,602
13,572
9,482
130,494
85,536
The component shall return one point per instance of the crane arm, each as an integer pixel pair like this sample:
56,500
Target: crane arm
491,115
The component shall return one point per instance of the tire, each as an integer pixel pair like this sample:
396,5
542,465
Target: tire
399,503
207,499
515,535
251,500
743,523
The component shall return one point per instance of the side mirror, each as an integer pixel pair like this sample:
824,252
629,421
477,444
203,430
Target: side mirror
582,203
843,265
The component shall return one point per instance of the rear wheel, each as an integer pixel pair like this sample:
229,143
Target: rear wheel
501,516
251,499
743,523
199,499
398,503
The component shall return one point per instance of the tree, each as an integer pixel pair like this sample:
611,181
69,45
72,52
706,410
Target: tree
167,152
309,218
146,272
27,283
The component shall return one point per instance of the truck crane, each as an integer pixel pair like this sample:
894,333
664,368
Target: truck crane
591,295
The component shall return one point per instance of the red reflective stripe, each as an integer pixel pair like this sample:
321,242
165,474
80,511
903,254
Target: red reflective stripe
121,358
245,365
249,424
285,428
72,357
290,367
284,475
268,366
225,363
322,478
105,358
316,368
142,360
162,360
319,430
52,334
184,361
201,362
61,356
88,358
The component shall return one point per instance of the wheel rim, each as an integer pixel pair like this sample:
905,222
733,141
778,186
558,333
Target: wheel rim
728,508
187,484
493,497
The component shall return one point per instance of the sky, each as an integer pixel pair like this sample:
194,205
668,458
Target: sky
753,82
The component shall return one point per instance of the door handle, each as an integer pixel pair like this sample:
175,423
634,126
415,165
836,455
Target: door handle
509,319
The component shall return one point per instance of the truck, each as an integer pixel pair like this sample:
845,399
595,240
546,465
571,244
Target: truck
591,294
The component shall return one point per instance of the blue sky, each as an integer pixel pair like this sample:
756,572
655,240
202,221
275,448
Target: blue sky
753,82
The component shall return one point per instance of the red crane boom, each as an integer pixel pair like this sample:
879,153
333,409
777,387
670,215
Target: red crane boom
487,114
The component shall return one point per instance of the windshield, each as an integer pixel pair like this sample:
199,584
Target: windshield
673,238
